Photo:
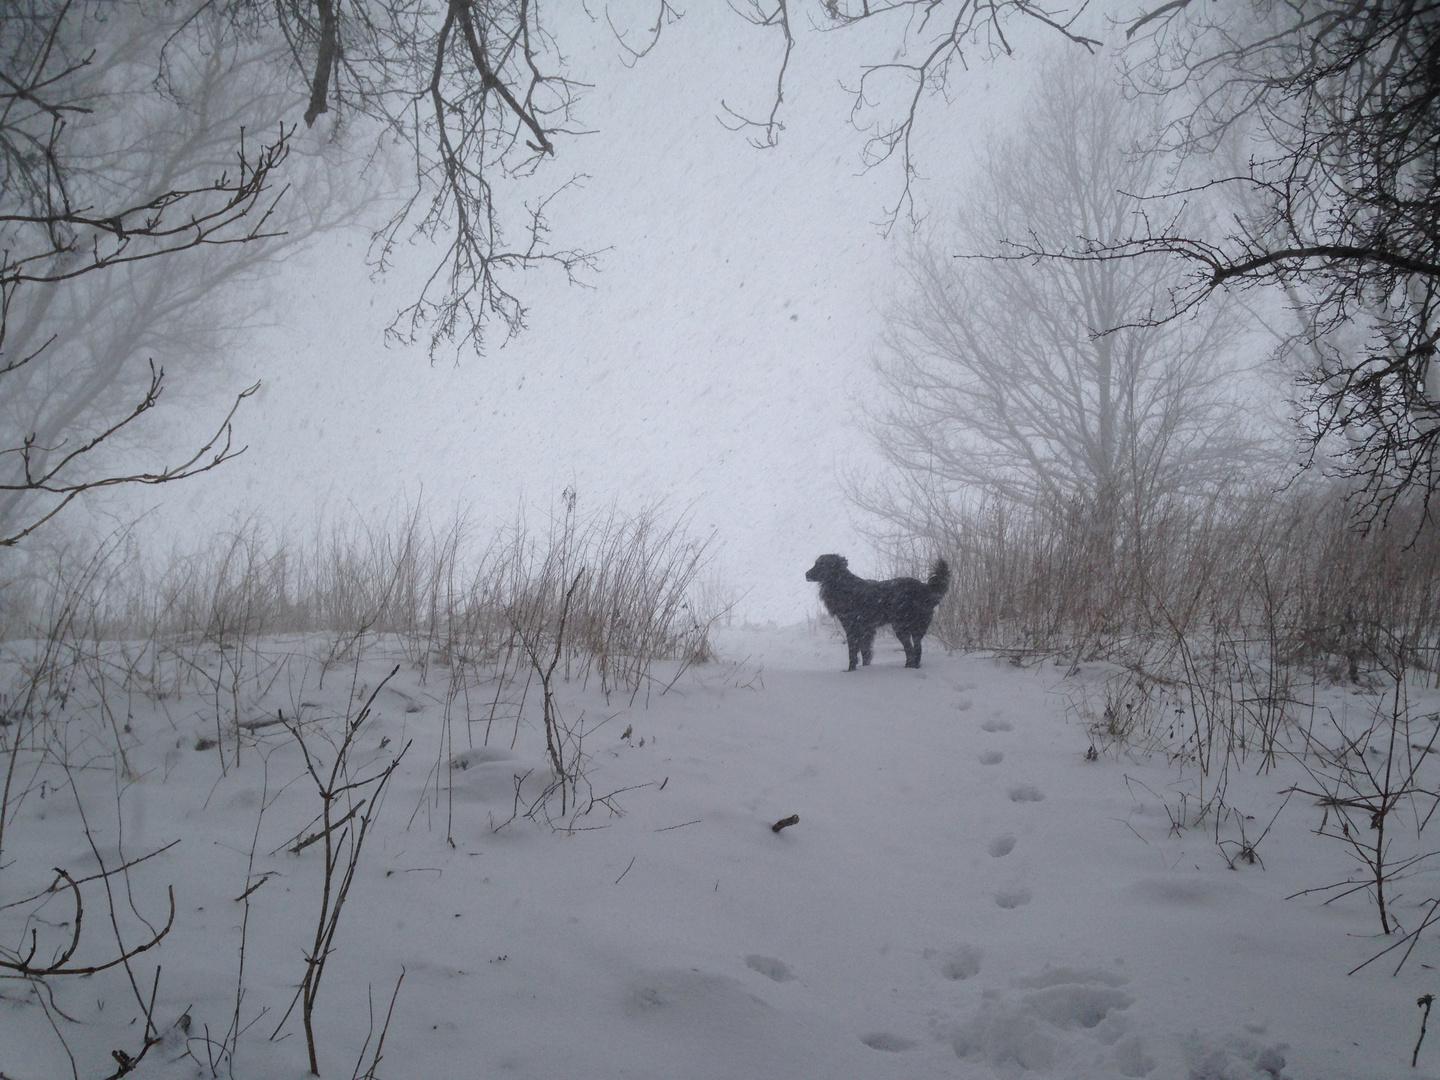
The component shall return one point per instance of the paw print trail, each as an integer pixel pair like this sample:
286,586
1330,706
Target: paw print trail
960,895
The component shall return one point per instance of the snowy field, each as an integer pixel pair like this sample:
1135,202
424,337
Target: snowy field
964,895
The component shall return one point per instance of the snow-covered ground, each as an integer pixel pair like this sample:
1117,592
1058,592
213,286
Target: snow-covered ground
964,895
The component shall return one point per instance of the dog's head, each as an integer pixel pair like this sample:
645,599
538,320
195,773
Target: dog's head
827,567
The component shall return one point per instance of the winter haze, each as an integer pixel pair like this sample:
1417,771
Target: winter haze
445,651
712,361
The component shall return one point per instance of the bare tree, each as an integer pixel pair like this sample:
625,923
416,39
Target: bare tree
141,152
1336,104
1041,382
69,218
141,198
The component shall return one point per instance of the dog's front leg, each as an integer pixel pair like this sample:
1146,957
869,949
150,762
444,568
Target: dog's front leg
852,643
867,646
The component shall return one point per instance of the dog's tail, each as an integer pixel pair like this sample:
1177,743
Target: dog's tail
939,579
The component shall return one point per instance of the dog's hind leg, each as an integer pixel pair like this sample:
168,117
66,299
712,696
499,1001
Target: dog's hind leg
911,644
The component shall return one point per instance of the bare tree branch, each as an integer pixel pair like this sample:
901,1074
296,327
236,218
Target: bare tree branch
665,14
1339,210
770,127
944,34
218,449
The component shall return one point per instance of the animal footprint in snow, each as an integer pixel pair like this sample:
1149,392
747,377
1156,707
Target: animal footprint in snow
1077,1006
1060,1018
961,963
883,1040
1025,793
991,757
1204,1052
963,705
770,967
1002,845
997,725
1012,898
1070,997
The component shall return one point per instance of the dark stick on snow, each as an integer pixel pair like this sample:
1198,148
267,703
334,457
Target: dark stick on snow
1425,1002
785,823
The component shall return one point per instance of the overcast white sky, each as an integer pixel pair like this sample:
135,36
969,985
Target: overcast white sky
714,363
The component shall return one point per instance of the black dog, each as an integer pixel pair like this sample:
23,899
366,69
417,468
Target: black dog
864,606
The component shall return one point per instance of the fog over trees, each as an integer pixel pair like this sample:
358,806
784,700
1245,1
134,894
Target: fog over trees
150,162
1045,383
1337,108
144,201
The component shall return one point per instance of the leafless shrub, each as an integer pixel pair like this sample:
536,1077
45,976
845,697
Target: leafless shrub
1282,577
1208,637
349,799
1125,714
232,625
1370,780
609,595
445,595
57,719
